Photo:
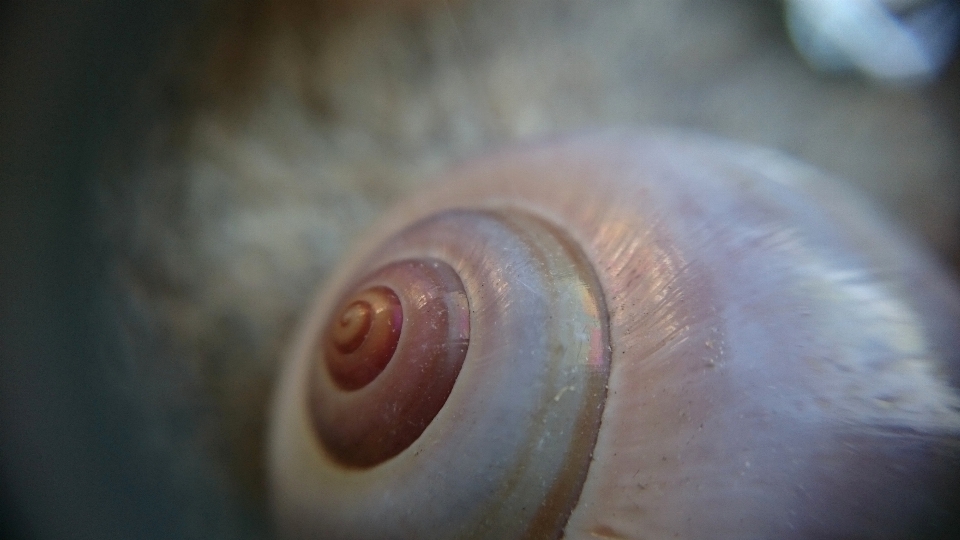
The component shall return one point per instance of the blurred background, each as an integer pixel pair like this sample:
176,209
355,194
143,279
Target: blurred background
178,177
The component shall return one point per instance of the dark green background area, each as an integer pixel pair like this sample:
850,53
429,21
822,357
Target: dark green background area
72,463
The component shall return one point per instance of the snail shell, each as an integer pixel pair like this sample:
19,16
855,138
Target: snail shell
627,336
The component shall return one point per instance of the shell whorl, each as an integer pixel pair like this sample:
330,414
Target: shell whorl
669,336
388,360
513,322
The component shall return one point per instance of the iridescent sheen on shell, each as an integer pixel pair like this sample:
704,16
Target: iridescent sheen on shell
783,364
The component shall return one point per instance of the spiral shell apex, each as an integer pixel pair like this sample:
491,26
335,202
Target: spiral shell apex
364,412
625,336
517,312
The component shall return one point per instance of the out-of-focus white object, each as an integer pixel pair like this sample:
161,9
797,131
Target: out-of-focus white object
896,41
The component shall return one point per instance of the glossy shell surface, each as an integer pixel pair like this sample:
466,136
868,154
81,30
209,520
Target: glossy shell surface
765,357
